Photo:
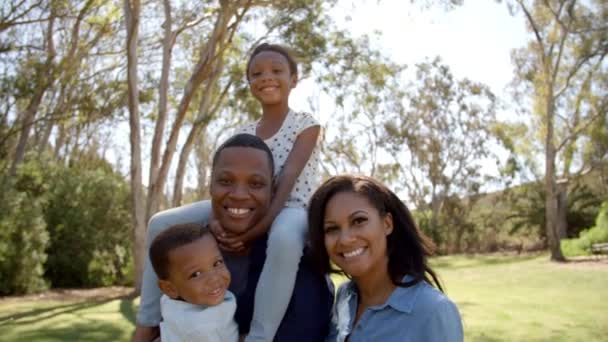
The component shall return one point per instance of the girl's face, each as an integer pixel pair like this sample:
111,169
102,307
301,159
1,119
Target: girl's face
355,235
270,79
241,187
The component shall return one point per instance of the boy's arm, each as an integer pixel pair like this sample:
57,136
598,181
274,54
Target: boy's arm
298,157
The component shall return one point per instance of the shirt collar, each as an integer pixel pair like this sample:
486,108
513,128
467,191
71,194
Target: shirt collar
402,299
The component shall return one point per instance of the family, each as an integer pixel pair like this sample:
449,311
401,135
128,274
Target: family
253,262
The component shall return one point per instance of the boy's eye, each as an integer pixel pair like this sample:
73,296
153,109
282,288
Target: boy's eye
195,274
218,263
224,181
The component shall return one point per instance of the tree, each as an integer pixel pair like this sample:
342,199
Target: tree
441,137
563,68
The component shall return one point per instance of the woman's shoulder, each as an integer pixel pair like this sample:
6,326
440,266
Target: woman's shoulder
430,302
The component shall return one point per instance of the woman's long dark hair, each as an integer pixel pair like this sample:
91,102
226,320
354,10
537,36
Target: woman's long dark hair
407,247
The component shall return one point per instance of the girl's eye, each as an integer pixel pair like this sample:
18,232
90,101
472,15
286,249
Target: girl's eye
218,263
277,71
257,185
195,274
256,73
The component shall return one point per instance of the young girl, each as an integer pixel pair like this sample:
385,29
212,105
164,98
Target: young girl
292,137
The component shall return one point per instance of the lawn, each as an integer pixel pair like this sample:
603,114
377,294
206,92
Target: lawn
501,298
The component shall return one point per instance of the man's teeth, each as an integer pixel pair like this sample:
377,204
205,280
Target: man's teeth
354,253
238,211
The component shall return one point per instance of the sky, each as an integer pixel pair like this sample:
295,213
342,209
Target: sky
475,40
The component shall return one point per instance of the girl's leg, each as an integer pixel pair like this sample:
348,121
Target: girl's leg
275,287
149,309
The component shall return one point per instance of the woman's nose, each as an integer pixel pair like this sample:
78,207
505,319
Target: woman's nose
346,236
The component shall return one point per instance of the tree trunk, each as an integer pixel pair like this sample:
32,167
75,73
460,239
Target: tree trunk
132,17
27,121
163,90
551,184
562,211
181,166
200,73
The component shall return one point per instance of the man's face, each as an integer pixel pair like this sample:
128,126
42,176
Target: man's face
241,187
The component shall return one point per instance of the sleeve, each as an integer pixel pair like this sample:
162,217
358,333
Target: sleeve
444,324
305,120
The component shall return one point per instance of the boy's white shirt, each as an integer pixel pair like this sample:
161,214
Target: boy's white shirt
183,321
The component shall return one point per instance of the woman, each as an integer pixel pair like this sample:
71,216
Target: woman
361,227
241,177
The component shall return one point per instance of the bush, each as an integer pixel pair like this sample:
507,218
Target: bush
23,235
596,234
88,220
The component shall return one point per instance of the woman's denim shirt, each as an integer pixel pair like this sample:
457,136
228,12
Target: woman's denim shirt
416,313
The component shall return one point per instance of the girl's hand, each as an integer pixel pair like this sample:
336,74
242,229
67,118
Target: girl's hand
227,241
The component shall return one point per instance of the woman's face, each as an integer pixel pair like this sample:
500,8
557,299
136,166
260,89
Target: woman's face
241,187
355,235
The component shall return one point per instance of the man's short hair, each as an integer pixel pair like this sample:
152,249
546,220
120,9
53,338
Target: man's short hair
170,239
244,140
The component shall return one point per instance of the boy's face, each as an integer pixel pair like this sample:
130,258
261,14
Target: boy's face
197,273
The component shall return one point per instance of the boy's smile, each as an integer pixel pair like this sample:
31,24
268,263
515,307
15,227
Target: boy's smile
197,273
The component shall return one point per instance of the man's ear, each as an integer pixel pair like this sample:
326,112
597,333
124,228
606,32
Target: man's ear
167,287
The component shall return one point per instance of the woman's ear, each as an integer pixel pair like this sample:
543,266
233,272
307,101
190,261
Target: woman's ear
167,288
388,223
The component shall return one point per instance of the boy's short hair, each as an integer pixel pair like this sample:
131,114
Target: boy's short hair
172,238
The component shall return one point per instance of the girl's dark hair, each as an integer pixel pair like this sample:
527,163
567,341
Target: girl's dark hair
170,239
244,140
293,65
407,247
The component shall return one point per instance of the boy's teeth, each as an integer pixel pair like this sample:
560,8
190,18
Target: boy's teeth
351,254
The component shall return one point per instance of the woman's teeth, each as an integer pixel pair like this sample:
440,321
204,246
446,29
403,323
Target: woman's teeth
354,253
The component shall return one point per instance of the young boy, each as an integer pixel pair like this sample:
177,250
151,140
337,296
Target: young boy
196,305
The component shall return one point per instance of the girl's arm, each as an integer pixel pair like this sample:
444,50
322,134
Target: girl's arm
298,157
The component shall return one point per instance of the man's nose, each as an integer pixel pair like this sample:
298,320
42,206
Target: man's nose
239,192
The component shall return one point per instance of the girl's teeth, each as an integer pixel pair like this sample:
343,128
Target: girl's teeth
238,211
354,253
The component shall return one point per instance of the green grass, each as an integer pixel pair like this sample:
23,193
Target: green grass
501,298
